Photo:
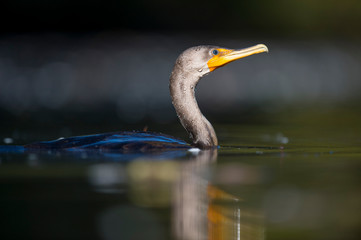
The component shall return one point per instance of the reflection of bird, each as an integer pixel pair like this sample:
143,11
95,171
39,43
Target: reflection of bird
189,68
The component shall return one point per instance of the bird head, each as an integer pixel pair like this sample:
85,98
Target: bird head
205,59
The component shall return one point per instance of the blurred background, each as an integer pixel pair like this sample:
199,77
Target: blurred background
107,63
288,121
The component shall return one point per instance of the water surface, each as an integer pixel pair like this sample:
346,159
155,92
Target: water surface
294,178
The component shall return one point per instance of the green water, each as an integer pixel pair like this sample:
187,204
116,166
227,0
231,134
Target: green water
294,176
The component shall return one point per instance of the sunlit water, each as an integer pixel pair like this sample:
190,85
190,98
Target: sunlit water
297,180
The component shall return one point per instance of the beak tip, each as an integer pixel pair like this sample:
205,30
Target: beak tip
263,47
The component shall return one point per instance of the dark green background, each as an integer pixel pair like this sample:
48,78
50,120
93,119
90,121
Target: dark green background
274,18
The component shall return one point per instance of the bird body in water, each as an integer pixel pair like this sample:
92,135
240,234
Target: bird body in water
190,67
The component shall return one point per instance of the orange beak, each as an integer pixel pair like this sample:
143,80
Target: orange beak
225,56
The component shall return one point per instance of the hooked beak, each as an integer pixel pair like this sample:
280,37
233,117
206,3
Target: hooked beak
225,56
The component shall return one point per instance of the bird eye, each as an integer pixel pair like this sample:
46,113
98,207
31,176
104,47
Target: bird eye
215,52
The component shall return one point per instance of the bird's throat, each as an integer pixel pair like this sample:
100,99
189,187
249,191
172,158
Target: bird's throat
182,89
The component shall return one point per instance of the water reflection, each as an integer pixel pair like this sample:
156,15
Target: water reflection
221,194
190,193
202,210
199,209
107,178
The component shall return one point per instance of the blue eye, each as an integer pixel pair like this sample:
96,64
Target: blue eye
215,52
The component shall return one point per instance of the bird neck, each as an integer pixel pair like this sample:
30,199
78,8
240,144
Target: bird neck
182,88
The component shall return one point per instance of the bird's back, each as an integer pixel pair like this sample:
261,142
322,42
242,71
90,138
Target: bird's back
137,141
